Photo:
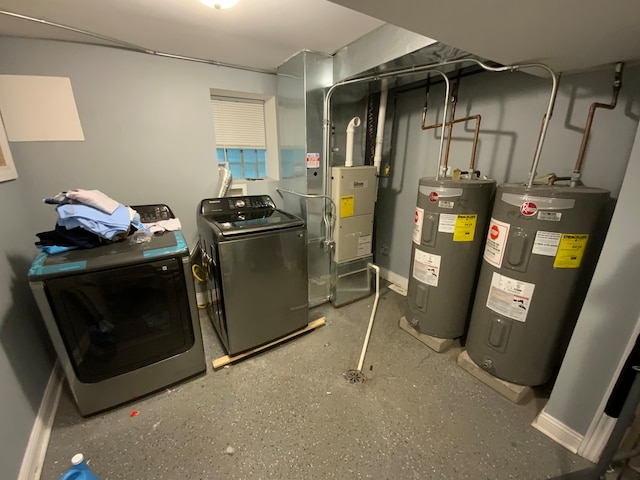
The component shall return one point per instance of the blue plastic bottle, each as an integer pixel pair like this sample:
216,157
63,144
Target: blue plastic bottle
80,470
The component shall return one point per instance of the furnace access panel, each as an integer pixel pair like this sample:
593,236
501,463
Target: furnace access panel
354,193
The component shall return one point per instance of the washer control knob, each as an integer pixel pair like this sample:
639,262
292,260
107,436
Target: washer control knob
240,203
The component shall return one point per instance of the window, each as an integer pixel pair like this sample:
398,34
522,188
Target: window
241,135
244,162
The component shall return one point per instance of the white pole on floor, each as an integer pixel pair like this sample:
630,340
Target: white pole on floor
373,314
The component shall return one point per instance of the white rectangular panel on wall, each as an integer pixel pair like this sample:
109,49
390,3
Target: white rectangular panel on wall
36,109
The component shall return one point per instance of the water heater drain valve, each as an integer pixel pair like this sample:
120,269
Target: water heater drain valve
487,364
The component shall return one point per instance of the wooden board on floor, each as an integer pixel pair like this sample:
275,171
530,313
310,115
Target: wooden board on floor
226,359
434,343
511,391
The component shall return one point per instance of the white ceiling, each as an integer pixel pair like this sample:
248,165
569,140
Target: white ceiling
260,34
568,35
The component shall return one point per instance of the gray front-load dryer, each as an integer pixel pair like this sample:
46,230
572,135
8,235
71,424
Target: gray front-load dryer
256,259
122,318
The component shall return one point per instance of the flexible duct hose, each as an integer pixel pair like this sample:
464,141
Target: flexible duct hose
224,181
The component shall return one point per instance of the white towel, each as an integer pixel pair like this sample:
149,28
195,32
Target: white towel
170,225
94,198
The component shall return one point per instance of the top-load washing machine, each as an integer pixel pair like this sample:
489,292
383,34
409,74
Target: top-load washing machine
256,259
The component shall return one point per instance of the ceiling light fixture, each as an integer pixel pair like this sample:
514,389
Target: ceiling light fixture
219,4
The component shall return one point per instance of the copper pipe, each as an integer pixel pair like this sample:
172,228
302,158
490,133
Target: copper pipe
451,122
617,83
454,102
474,148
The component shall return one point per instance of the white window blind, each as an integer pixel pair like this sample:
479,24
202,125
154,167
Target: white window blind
238,123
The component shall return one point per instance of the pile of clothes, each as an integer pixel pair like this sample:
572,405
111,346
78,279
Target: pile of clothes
87,219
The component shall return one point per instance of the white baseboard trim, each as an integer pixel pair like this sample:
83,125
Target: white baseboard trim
558,431
33,459
602,425
596,439
394,278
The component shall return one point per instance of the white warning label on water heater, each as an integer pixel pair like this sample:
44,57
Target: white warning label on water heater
546,243
418,218
496,242
510,297
447,223
426,267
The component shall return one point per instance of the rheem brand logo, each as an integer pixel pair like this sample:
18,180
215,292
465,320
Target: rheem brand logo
528,209
494,233
433,196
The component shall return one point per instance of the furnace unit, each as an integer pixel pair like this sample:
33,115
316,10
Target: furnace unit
354,196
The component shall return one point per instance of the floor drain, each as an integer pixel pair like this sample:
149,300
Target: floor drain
354,376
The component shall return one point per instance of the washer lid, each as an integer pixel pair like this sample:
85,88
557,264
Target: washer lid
255,221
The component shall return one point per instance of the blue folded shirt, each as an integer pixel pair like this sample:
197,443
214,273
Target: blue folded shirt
93,220
53,249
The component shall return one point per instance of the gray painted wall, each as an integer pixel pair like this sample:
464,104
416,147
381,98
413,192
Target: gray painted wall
610,314
149,139
512,106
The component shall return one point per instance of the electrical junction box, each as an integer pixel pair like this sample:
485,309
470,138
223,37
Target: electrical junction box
354,194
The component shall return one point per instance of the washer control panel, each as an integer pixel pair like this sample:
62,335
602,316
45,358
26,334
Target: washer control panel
236,204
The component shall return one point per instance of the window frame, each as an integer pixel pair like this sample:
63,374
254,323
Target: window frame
272,160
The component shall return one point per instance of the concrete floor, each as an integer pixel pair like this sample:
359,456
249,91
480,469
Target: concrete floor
289,413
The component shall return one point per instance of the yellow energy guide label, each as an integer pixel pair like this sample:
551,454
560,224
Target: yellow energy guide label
346,206
571,250
465,228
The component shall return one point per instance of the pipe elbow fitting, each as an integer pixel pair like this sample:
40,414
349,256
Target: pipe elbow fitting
355,122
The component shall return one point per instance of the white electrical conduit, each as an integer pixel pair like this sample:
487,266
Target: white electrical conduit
351,129
326,115
130,46
307,196
433,67
382,113
373,315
